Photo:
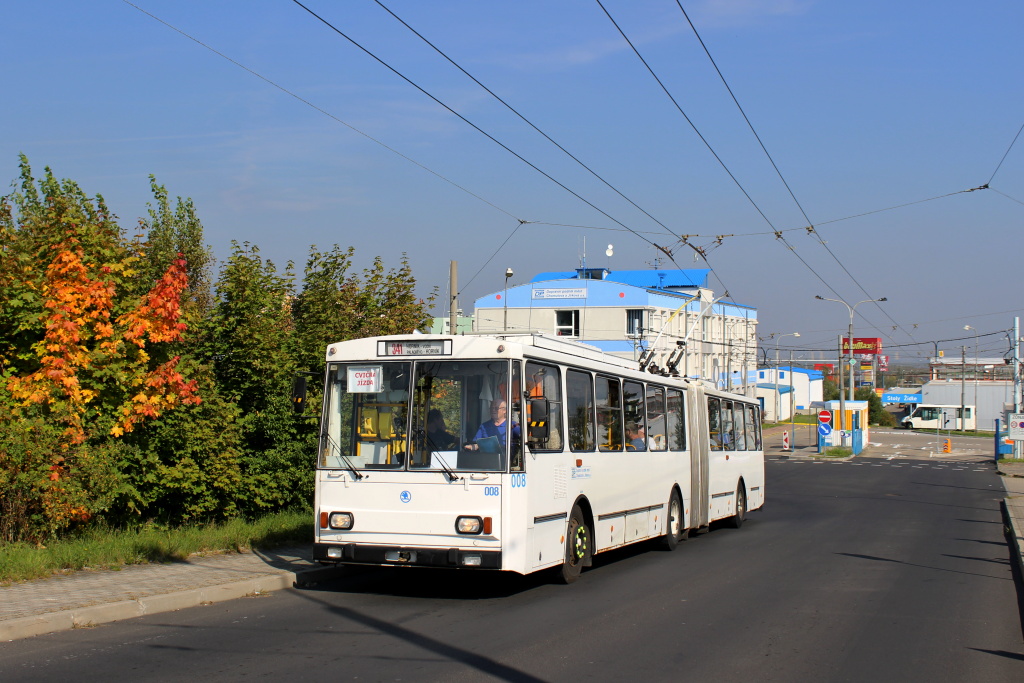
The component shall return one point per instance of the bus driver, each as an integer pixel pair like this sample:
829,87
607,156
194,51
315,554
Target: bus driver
496,426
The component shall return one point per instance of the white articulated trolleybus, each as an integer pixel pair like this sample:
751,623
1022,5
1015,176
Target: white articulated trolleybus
520,452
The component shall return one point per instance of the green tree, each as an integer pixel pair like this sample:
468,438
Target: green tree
877,414
173,233
250,341
337,304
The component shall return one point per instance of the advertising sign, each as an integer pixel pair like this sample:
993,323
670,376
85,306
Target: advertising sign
825,368
560,293
868,346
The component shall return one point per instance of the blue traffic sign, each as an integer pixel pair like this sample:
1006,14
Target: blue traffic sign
901,398
824,429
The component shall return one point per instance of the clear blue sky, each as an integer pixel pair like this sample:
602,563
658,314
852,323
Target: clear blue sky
862,105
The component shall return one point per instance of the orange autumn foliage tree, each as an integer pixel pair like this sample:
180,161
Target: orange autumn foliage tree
86,357
85,354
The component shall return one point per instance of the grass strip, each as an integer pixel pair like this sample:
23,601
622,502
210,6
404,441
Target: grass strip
112,549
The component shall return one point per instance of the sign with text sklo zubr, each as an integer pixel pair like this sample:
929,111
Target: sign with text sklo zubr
863,346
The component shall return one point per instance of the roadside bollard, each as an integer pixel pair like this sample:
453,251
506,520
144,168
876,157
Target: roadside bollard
785,441
947,446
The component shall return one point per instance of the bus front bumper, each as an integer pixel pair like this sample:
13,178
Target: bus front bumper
356,553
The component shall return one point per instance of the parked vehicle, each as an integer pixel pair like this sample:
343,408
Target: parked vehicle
930,416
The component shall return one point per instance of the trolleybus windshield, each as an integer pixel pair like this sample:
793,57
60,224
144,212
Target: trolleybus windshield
428,415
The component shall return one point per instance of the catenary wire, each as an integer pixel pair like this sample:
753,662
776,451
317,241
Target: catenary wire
718,158
810,223
471,124
659,247
1005,154
524,119
326,113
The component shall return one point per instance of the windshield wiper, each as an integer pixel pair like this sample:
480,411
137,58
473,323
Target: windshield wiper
444,466
348,463
425,440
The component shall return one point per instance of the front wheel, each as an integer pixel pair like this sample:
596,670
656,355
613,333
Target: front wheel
577,546
675,527
736,521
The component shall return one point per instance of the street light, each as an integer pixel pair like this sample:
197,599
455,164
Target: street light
508,274
777,401
850,335
970,328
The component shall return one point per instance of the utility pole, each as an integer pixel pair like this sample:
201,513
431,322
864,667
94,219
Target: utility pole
1016,379
453,312
842,404
963,378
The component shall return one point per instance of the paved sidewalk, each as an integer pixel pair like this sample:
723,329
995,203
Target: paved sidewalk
90,597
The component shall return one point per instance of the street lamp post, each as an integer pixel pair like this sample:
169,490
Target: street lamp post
777,401
508,274
850,331
969,328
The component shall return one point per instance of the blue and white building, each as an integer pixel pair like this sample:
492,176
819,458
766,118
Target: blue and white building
783,391
625,312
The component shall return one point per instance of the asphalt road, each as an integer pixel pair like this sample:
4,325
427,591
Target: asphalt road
874,569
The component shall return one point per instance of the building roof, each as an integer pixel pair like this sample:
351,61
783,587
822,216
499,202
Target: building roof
648,279
781,388
811,374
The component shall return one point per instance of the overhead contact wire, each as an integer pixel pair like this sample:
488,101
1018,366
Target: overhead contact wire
524,119
471,124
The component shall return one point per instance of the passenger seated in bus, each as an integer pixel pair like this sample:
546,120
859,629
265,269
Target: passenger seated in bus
497,426
438,439
635,437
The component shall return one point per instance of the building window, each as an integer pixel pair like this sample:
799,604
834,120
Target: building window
567,323
634,322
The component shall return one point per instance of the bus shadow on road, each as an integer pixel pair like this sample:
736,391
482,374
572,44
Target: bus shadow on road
431,583
471,584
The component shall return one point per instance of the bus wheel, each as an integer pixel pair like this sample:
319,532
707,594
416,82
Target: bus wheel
736,521
675,530
577,546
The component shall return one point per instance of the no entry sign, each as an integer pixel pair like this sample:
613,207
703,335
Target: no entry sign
824,417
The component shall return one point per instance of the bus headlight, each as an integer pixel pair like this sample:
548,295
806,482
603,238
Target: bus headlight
341,520
469,525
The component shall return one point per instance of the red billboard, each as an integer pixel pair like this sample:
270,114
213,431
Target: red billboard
863,346
825,368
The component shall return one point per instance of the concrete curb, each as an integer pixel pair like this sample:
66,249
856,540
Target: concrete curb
84,617
1013,519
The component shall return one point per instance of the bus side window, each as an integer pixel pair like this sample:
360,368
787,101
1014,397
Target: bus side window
580,403
741,432
753,429
544,387
728,428
714,423
657,435
676,426
633,404
609,414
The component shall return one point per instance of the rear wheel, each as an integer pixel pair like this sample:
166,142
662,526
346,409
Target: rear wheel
736,521
577,546
675,527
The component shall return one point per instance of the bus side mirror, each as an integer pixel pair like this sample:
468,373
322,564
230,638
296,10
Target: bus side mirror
298,394
539,412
